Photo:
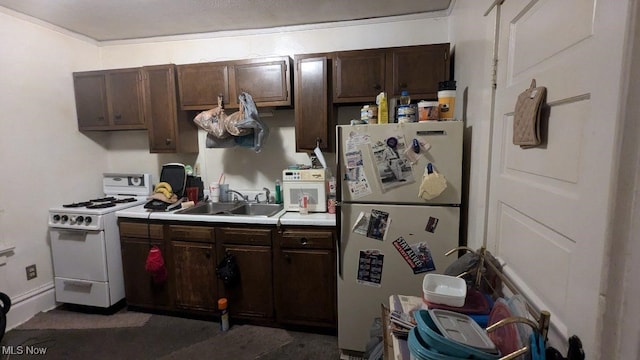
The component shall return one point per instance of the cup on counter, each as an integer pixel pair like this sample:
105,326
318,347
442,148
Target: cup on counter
214,192
192,194
224,195
304,204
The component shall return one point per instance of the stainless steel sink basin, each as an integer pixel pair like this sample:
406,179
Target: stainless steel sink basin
209,208
255,209
239,208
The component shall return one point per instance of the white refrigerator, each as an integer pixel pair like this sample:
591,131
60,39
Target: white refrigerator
395,223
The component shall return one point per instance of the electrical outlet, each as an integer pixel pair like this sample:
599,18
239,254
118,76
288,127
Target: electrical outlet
32,273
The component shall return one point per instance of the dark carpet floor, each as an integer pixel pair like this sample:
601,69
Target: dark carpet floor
169,337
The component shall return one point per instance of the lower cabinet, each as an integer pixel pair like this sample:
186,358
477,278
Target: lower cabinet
194,267
304,265
136,238
287,275
252,296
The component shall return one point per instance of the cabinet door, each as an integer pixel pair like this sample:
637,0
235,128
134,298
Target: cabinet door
124,94
91,100
268,81
140,288
169,128
418,69
305,265
200,85
314,117
195,275
252,297
359,76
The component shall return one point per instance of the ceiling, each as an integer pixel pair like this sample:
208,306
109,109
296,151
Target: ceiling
105,20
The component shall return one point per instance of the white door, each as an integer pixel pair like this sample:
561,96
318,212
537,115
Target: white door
549,206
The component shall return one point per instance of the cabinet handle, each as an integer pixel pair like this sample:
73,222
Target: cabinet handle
101,118
287,258
118,116
377,86
207,255
168,141
303,241
403,86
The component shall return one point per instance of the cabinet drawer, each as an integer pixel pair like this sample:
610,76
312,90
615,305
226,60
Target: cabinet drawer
193,233
307,239
244,236
141,230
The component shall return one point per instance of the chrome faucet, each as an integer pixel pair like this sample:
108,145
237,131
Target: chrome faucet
267,194
236,194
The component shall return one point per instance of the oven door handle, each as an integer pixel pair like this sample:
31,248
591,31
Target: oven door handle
72,234
77,284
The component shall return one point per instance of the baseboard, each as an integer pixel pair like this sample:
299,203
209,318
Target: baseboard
27,305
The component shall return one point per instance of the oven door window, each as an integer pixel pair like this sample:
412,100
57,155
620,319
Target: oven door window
79,254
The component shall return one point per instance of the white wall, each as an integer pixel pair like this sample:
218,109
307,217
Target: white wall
472,36
45,160
243,168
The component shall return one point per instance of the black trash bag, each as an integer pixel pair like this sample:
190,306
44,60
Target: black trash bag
5,306
228,270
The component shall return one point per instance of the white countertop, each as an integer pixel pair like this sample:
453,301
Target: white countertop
286,218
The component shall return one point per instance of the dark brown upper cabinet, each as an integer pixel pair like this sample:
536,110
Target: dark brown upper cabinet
314,124
267,80
360,75
418,69
109,99
170,128
200,85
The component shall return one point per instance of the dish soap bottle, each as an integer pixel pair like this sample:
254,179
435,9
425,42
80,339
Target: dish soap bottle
278,194
383,112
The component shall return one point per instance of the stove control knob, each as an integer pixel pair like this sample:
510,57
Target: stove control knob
72,220
56,218
80,220
87,220
64,218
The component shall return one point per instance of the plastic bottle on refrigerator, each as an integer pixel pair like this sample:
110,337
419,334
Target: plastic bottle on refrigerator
405,99
383,111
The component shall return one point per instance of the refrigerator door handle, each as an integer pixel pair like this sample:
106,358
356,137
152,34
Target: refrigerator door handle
339,162
431,132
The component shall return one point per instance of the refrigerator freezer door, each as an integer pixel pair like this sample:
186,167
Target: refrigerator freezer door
368,143
359,296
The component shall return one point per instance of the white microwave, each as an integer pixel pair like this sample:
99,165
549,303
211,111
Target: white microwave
310,182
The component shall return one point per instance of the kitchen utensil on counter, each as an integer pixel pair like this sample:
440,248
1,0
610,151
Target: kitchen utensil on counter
224,193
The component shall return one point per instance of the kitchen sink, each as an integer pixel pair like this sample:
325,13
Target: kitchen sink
257,209
239,208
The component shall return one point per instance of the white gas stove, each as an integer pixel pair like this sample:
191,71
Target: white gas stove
85,242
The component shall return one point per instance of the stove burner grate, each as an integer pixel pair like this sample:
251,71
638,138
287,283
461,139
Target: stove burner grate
101,205
104,199
76,205
125,200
